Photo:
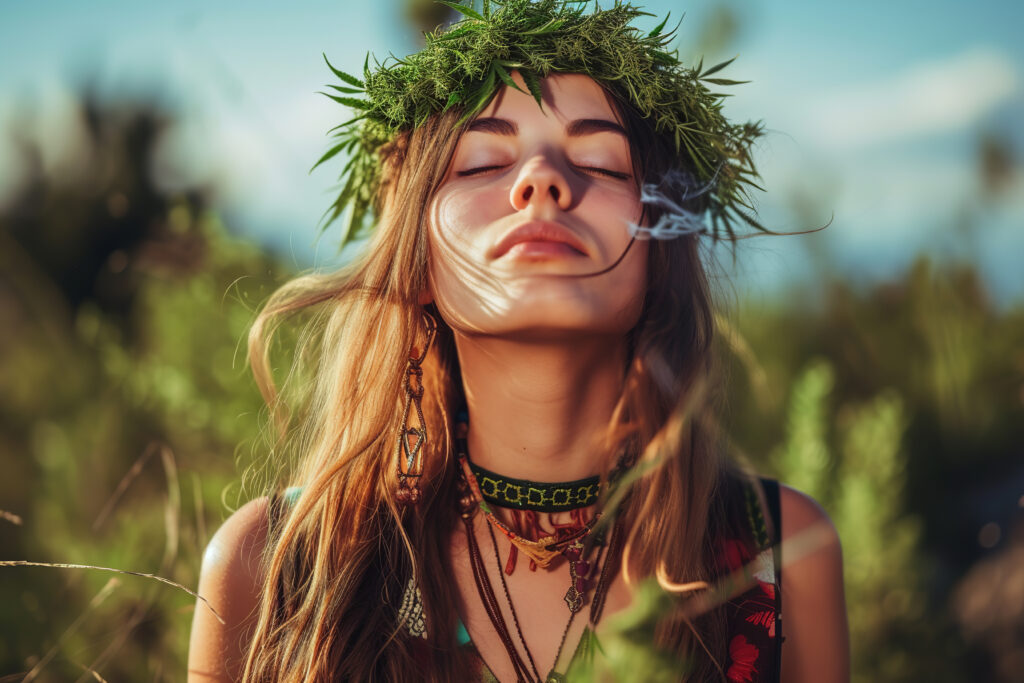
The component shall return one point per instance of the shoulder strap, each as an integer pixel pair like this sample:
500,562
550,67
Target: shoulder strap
771,494
281,503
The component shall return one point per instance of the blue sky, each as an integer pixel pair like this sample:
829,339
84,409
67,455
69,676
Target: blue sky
875,108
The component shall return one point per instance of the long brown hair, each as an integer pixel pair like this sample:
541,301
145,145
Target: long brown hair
341,558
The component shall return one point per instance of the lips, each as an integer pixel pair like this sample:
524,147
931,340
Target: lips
538,232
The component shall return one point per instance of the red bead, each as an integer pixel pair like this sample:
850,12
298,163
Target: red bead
572,553
582,568
407,496
581,584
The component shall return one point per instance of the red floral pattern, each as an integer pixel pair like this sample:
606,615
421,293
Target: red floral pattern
743,655
752,616
752,649
732,554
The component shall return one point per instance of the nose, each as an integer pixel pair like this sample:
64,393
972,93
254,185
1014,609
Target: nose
538,182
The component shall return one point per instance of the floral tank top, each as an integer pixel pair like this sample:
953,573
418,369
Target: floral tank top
754,626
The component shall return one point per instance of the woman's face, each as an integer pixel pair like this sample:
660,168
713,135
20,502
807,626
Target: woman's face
532,198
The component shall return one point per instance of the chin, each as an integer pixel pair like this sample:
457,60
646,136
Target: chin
540,309
552,323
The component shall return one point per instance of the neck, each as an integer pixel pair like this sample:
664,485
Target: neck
539,410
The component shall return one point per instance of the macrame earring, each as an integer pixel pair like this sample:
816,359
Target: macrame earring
413,434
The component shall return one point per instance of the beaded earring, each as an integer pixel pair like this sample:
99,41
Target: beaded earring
413,434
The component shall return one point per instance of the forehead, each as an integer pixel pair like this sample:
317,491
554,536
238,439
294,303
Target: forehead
566,97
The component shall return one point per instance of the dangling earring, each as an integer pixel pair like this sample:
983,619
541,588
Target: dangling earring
413,434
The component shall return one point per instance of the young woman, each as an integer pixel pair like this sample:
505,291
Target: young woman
504,409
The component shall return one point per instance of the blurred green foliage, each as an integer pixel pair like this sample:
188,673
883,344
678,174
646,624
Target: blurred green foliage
854,460
127,417
898,408
125,310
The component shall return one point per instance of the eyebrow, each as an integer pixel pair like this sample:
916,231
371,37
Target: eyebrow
581,127
577,128
494,125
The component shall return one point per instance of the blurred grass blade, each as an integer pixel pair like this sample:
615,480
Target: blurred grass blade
172,510
96,601
63,565
123,485
10,517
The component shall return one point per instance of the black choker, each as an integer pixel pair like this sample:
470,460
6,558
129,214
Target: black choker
521,494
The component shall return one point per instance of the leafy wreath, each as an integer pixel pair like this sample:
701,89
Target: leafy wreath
464,66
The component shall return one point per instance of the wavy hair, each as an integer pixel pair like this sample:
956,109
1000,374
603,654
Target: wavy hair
339,560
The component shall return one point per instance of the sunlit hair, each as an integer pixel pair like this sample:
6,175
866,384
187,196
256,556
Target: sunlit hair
341,556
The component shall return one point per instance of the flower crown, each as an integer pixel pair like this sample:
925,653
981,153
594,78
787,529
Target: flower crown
464,65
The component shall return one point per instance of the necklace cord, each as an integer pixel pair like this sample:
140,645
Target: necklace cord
542,551
512,607
490,601
574,544
486,592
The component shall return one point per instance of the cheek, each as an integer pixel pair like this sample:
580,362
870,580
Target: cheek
626,204
463,212
458,242
611,214
614,207
629,291
635,274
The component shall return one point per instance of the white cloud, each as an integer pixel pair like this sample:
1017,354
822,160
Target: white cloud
927,98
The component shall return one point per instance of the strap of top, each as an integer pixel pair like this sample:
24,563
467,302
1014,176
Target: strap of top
771,494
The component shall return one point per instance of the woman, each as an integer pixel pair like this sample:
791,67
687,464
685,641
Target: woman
503,410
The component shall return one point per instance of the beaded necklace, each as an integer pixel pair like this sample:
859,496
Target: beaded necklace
541,551
569,543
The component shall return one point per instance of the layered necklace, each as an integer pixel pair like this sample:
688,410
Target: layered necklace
582,547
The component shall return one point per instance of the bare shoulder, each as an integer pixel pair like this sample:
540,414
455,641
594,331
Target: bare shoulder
816,646
801,514
235,551
232,581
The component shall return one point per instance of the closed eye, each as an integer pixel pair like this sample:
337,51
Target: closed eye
604,172
594,170
478,170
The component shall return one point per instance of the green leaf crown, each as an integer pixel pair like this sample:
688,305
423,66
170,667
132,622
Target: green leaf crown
466,64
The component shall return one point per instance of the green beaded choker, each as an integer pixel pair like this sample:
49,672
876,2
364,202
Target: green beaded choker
522,494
